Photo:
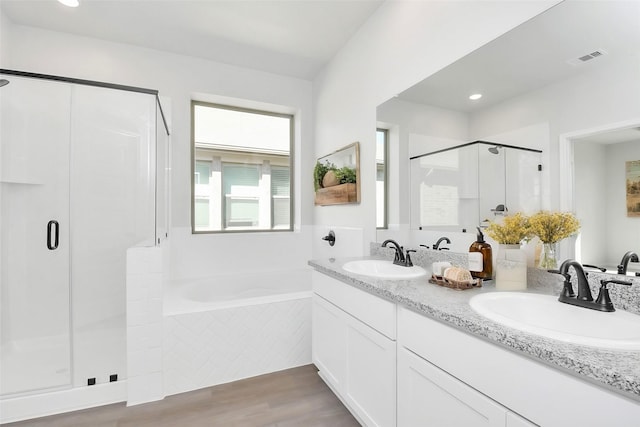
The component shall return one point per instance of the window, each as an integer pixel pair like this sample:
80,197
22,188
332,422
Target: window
382,136
241,169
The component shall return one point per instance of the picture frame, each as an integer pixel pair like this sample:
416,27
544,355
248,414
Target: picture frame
336,177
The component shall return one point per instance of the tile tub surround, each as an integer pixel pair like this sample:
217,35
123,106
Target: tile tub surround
618,371
207,348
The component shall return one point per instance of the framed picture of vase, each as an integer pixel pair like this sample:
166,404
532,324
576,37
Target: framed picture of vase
336,177
633,188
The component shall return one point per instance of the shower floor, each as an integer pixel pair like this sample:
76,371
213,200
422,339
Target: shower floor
34,364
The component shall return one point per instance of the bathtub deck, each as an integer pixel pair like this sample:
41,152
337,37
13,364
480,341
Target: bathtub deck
295,397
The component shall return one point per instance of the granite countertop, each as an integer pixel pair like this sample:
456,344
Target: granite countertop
618,371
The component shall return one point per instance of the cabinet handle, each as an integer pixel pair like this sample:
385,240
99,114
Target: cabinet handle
53,226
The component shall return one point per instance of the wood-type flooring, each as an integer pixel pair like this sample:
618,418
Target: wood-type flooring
292,398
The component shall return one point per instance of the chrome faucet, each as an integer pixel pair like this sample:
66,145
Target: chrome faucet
584,297
629,256
399,258
440,240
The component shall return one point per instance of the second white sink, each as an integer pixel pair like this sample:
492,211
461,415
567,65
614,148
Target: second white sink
383,269
544,315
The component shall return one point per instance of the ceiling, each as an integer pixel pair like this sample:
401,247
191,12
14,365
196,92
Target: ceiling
538,53
289,37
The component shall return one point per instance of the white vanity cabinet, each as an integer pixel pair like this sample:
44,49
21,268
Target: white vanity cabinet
445,374
428,396
392,366
354,348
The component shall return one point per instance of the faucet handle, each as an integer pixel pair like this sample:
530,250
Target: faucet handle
331,238
616,281
567,289
603,299
567,276
602,269
407,259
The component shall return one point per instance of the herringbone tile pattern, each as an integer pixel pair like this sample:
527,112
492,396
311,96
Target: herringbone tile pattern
215,347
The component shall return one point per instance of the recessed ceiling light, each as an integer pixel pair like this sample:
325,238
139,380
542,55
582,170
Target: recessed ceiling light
475,96
70,3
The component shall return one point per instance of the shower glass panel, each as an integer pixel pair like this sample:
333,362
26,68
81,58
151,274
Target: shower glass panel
444,189
113,174
491,183
34,242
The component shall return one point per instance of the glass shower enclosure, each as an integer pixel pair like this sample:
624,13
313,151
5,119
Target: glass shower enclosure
77,188
462,187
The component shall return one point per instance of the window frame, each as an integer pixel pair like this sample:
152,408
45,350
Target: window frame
385,224
291,163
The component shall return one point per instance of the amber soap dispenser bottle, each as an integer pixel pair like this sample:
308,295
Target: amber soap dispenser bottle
481,258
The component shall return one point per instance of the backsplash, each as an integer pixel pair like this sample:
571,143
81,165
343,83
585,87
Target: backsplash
623,297
423,258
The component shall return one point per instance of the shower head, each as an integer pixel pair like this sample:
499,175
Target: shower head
493,150
4,82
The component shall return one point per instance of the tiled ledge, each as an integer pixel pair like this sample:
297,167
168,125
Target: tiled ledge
618,371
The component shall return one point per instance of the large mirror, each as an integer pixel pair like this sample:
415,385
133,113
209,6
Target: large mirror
570,76
466,186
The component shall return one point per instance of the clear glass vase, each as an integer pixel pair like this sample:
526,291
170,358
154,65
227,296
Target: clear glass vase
548,257
511,268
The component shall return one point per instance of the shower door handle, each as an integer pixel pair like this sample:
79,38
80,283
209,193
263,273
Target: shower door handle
54,227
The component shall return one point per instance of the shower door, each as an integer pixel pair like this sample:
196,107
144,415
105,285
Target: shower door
34,235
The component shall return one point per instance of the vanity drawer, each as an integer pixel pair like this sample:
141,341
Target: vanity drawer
374,311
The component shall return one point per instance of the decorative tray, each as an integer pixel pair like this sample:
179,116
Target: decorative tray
455,284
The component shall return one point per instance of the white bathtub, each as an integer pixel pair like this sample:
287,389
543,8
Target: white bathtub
225,328
217,292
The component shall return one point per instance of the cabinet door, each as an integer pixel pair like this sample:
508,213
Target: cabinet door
428,396
328,341
370,383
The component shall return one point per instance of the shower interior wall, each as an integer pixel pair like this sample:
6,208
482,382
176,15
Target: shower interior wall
85,158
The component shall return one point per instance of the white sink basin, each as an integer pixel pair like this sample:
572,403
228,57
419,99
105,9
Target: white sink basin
544,315
383,269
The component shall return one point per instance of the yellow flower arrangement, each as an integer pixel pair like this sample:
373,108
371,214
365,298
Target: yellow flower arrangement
551,227
512,231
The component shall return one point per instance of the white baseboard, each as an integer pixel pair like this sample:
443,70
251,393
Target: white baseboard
57,402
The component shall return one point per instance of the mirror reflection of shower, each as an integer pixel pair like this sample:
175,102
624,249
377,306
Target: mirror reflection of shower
4,82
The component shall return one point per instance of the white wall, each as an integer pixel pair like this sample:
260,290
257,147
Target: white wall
402,43
181,78
589,195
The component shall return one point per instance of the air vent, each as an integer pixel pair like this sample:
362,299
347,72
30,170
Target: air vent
588,57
